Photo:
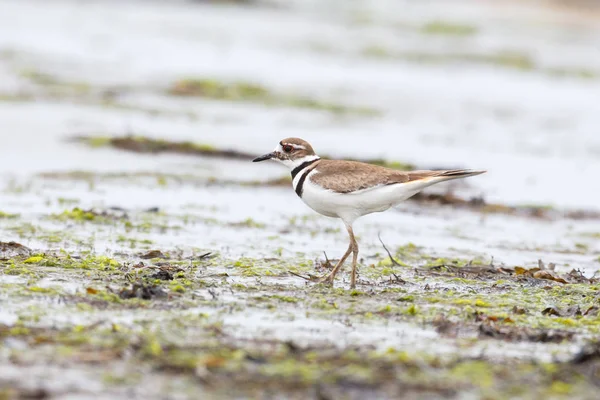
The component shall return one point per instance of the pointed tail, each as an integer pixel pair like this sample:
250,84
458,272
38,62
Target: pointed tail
460,173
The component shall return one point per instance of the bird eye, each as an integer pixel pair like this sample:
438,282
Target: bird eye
287,148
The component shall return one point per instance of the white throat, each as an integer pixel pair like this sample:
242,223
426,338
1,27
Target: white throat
291,164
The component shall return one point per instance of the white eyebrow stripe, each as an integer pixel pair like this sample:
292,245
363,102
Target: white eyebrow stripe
296,146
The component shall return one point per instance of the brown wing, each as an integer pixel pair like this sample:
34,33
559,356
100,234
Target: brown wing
348,176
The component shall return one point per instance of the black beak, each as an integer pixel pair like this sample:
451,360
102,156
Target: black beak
267,156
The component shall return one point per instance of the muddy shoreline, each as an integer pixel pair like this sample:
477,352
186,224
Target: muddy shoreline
189,307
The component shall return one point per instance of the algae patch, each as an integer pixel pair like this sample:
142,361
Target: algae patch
448,28
506,59
183,313
250,92
5,215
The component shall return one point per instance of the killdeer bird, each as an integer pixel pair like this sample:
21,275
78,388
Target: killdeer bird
350,189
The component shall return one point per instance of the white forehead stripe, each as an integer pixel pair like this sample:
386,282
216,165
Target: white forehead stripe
295,146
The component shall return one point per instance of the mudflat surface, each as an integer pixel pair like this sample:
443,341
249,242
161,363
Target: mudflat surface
142,254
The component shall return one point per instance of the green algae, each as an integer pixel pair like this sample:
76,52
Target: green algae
98,141
133,242
249,223
142,144
33,260
171,338
286,299
275,267
508,59
474,371
573,72
55,86
64,262
46,290
4,215
77,214
16,98
217,90
138,222
448,28
254,93
39,78
473,302
511,60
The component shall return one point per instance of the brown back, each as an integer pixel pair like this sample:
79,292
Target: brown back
348,176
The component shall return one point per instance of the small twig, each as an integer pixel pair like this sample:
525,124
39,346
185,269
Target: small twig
216,275
300,276
439,267
327,263
398,279
311,278
388,252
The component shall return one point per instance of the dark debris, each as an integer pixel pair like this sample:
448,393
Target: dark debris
142,291
13,249
491,329
153,254
163,275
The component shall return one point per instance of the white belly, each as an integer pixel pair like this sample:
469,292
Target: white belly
350,206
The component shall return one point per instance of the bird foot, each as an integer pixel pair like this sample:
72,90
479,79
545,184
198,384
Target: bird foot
327,279
310,278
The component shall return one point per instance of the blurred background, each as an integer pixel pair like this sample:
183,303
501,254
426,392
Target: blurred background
508,86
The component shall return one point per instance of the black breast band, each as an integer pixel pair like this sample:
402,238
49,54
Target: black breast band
300,186
300,167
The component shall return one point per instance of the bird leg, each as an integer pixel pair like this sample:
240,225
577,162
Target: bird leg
329,278
354,246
